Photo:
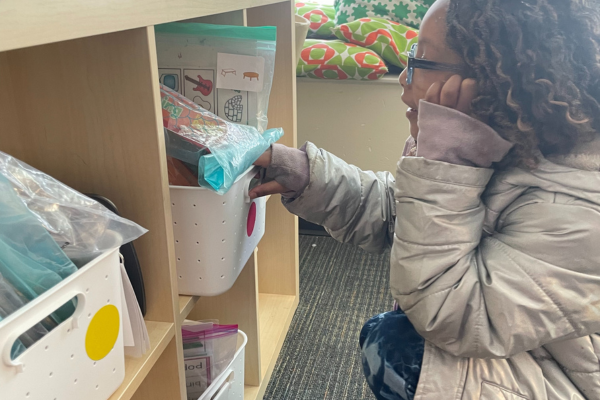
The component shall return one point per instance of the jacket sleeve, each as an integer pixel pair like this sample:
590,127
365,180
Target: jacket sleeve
354,206
533,282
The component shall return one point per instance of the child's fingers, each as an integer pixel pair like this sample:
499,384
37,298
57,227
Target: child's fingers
433,93
451,92
265,159
266,189
468,91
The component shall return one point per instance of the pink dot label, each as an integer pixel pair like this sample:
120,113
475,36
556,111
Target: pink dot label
251,219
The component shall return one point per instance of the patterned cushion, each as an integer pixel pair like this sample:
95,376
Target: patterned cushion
406,12
334,59
388,39
321,18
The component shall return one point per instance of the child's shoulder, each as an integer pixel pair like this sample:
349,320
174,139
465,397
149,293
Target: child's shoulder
516,196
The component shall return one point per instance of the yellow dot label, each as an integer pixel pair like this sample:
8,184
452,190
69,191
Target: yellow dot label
102,333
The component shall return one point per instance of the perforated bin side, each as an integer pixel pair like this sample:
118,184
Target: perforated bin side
215,235
82,358
230,384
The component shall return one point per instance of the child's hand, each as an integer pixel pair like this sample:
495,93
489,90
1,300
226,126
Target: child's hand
456,93
268,188
265,159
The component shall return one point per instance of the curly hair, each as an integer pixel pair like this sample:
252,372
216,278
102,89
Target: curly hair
537,66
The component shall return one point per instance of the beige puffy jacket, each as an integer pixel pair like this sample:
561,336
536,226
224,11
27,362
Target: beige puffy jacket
499,272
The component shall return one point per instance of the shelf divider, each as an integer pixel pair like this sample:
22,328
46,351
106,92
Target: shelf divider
278,258
186,305
165,370
239,305
276,312
136,369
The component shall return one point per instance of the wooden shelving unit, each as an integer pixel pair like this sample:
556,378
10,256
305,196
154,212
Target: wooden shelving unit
136,369
186,305
276,312
79,100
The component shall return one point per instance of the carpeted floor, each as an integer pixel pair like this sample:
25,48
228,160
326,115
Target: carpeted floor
341,287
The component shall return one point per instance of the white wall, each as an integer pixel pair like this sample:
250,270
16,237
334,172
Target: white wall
362,122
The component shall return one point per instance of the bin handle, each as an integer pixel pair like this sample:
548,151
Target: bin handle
222,394
34,312
224,390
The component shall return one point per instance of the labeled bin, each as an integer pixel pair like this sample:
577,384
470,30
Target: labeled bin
215,235
82,358
229,385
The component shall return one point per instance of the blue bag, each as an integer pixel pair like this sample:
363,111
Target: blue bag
219,169
11,301
224,150
30,260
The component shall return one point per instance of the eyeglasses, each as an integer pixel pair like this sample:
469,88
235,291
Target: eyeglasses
414,62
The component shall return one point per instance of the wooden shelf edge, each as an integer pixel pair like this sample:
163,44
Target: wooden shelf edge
275,314
33,23
186,305
136,369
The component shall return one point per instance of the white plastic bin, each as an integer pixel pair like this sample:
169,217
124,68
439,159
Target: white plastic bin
230,384
215,235
82,358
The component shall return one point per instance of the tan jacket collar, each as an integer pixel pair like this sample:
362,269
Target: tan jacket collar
585,156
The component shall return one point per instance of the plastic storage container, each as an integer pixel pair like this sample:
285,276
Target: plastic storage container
215,235
82,358
230,384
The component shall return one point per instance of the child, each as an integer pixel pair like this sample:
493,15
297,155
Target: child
494,217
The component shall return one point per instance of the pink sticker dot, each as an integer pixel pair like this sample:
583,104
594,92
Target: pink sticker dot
251,219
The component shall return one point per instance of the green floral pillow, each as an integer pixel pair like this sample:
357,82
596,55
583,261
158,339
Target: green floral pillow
320,16
389,39
334,59
406,12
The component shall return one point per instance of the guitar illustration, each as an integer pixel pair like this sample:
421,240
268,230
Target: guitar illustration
204,86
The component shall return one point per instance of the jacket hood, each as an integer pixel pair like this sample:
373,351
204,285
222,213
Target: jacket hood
585,156
564,174
576,174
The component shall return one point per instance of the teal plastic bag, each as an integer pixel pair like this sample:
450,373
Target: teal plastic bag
11,301
30,260
216,171
225,149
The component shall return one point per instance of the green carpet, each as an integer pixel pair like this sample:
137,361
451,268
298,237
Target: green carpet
341,287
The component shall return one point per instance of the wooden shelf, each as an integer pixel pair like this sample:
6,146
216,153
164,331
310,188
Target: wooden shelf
36,22
81,102
275,315
186,305
136,369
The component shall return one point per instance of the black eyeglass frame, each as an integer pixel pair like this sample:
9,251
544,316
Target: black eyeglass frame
414,62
